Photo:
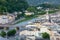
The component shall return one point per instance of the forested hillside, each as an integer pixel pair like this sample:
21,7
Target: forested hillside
13,5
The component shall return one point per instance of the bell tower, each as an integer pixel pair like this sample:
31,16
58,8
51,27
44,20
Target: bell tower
48,16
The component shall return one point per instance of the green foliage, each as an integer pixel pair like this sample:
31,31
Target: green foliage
17,28
19,15
13,5
11,33
31,9
3,34
45,35
52,11
42,13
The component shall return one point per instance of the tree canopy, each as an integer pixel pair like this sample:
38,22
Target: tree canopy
3,34
31,9
45,35
13,5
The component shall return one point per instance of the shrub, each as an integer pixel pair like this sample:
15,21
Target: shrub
3,34
11,33
45,35
17,28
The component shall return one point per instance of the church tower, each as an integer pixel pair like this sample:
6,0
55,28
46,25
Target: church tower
48,16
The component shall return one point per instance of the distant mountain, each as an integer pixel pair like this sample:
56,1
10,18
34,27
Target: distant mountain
37,2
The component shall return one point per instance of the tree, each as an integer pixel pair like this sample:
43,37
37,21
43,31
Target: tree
3,34
45,35
31,9
13,5
11,33
17,28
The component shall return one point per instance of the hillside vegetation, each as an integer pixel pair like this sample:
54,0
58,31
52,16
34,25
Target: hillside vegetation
13,5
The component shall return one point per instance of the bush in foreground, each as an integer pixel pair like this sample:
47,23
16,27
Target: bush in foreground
45,35
3,34
11,33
